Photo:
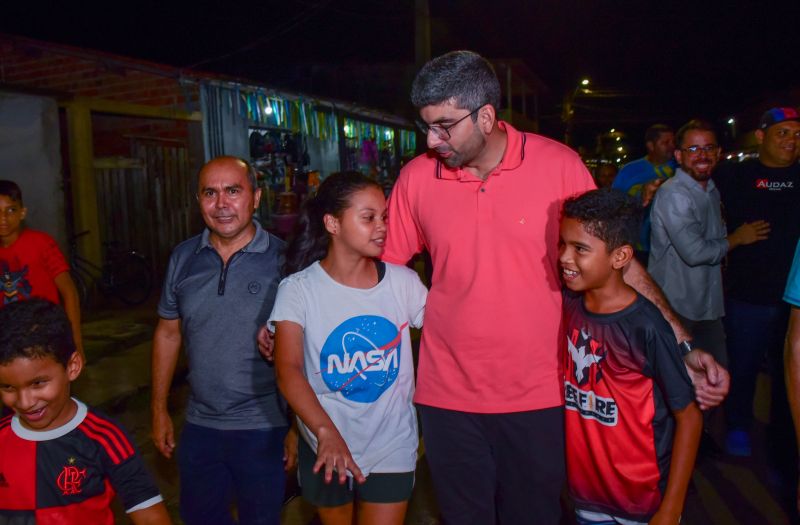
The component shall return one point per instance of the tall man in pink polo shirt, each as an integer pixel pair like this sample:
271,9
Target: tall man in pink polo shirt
485,202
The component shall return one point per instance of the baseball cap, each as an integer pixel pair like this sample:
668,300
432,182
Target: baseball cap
777,115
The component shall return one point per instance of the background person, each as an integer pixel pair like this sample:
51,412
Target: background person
31,264
768,189
792,296
642,177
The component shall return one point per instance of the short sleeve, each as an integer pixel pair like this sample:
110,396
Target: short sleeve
289,304
664,359
792,293
124,466
417,294
134,485
168,304
403,237
54,262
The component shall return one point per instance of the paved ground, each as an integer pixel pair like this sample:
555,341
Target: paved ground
726,490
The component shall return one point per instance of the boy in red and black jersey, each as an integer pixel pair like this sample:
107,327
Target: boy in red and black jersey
632,426
60,461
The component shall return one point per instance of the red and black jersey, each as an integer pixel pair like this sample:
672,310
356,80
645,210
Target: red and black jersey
623,376
70,474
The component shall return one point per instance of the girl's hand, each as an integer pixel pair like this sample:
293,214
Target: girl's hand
333,454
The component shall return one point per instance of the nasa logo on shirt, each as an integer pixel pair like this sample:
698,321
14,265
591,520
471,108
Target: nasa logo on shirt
361,357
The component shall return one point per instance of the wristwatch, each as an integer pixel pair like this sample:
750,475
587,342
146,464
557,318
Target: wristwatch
686,347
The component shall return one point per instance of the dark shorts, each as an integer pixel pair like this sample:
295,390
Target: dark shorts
380,487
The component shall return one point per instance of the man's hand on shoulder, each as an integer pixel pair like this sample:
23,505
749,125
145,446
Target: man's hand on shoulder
710,379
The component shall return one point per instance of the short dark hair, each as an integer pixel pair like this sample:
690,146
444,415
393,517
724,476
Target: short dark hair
35,329
10,189
693,125
463,76
611,215
655,131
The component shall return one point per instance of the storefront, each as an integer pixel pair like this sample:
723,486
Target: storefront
296,142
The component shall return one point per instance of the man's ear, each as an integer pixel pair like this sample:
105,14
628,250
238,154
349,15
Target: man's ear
487,116
74,366
621,256
760,136
650,145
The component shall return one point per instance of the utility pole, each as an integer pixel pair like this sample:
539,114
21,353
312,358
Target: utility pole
422,32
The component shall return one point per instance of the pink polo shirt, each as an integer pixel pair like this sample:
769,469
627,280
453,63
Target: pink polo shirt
491,341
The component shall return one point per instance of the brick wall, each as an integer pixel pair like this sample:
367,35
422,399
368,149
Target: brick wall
70,71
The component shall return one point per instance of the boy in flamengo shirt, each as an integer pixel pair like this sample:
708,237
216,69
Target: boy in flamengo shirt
629,460
60,461
31,265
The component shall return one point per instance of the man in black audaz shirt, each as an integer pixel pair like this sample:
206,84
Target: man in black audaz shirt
767,188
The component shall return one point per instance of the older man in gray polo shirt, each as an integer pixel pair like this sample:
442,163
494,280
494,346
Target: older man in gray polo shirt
689,238
219,289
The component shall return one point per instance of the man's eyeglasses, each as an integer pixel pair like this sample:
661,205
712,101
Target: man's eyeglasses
442,132
708,148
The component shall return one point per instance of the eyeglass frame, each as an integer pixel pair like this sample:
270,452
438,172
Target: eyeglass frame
695,149
426,128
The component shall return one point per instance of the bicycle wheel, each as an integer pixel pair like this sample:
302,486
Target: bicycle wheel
131,279
80,286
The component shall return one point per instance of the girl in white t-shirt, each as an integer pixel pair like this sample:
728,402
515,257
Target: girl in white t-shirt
343,355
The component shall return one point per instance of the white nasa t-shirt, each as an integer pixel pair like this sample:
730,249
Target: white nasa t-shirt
357,353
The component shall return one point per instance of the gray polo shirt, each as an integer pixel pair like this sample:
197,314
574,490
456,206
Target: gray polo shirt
687,245
221,309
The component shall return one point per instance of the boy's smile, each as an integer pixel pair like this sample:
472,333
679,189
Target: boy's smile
37,389
584,259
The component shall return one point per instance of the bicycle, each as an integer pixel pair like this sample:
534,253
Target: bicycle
125,275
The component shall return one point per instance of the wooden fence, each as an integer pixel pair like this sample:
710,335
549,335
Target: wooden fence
146,203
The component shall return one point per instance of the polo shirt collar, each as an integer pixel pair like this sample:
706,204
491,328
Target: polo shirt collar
687,180
512,157
258,244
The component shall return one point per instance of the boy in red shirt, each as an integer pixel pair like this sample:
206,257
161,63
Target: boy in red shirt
632,426
60,461
31,265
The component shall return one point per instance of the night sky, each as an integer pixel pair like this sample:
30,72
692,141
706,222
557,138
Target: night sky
681,59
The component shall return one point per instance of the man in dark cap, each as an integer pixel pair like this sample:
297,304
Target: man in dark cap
766,188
